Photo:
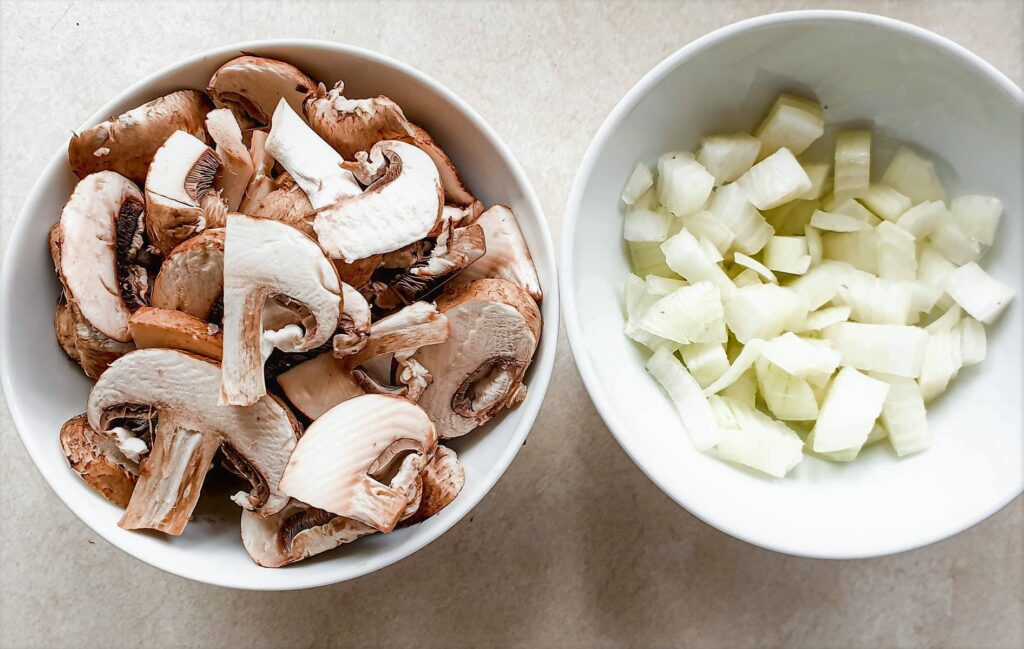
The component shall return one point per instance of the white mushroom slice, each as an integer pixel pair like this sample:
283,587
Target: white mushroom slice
461,216
354,323
310,161
455,191
262,183
319,384
126,144
181,390
401,207
346,461
83,343
99,235
182,173
507,256
252,87
151,327
191,278
238,167
443,479
288,204
95,457
263,259
415,326
296,533
495,329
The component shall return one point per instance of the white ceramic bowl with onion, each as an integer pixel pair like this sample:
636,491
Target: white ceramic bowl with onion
44,388
910,86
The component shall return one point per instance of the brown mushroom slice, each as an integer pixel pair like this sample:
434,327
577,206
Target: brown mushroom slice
252,86
507,256
344,462
97,460
442,479
455,191
182,173
94,248
461,216
495,329
191,278
151,327
262,182
238,168
296,533
126,144
311,162
288,204
264,259
85,344
401,206
181,390
354,323
319,384
358,273
415,326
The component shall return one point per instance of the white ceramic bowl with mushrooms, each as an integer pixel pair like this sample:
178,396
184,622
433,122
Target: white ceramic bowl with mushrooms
220,284
913,87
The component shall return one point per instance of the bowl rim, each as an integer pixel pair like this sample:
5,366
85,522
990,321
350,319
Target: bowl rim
544,357
574,331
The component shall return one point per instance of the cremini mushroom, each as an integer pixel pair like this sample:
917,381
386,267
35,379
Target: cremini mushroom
95,457
287,203
151,327
126,144
495,328
402,205
317,385
180,391
262,181
352,460
83,343
237,167
442,480
251,87
191,278
507,256
182,173
354,323
417,325
354,125
264,259
460,216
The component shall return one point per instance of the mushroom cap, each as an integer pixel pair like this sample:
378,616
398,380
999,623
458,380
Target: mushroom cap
296,533
182,389
495,328
455,191
181,175
83,343
151,327
410,328
319,384
262,259
288,204
334,463
96,458
442,480
237,169
99,226
126,144
251,87
507,255
353,125
401,207
191,278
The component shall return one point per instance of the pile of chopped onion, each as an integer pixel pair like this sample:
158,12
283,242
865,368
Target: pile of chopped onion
796,305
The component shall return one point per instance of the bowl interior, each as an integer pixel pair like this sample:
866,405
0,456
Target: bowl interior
44,388
909,86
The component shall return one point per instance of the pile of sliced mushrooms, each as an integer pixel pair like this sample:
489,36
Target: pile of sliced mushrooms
275,280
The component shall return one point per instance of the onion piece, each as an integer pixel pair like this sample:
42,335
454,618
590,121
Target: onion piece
978,216
853,402
763,311
820,174
706,362
647,259
642,225
904,416
727,157
977,292
683,184
891,349
693,407
639,182
837,222
853,163
973,345
897,253
793,122
914,177
941,363
685,256
787,255
690,314
732,208
859,249
922,219
818,320
754,265
885,202
800,357
659,286
777,179
704,224
788,397
753,439
748,355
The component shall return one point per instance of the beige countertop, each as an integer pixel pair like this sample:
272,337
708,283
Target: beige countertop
593,555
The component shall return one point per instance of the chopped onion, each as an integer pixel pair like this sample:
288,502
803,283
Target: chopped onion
705,361
954,244
639,182
787,255
853,402
748,355
885,202
788,397
689,400
683,184
973,345
743,389
710,251
644,225
753,439
946,321
921,220
748,276
731,207
818,285
914,177
904,417
791,218
727,157
689,314
859,249
978,216
637,301
880,301
977,292
897,253
853,163
837,222
932,271
814,248
892,349
818,320
793,123
801,357
755,266
685,256
851,207
647,259
763,311
941,363
704,224
659,286
820,175
777,179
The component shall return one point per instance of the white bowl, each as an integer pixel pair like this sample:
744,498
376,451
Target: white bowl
44,388
916,87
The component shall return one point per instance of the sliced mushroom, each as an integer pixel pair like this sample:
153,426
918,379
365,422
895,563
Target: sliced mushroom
152,327
126,144
96,458
461,216
353,125
251,87
319,384
85,344
442,479
495,328
190,426
95,247
264,259
507,256
182,173
296,533
415,326
401,206
262,183
310,161
237,169
288,204
352,460
354,323
358,273
191,279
